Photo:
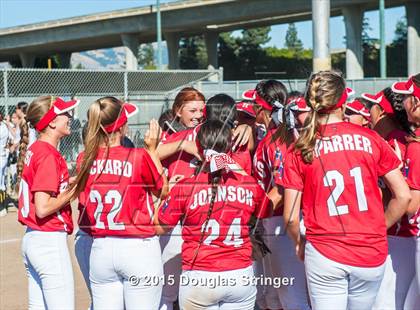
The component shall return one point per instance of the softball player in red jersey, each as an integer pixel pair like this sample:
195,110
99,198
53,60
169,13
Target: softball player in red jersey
185,164
115,184
411,90
268,169
187,111
215,207
400,266
44,206
357,113
333,173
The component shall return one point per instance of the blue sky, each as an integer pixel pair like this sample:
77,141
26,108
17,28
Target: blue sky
20,12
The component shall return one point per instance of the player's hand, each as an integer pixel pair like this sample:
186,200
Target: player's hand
175,179
151,137
241,135
191,148
300,249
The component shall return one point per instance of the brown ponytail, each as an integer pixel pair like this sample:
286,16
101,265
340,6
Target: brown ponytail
102,112
215,179
322,92
37,109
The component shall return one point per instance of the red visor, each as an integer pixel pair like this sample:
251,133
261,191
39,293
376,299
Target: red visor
358,107
252,94
246,107
380,99
58,107
406,88
346,93
128,110
300,104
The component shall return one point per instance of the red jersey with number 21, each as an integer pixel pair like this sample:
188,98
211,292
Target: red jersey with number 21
226,244
45,170
341,200
117,197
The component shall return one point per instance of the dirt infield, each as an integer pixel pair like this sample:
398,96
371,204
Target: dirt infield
13,281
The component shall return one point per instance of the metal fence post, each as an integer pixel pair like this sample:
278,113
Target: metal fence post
6,92
220,78
125,85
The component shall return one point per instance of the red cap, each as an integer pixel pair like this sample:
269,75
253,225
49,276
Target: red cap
59,106
358,107
406,88
300,104
128,110
252,94
380,99
246,107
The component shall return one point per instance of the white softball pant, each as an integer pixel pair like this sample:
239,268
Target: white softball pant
285,264
399,273
412,301
201,290
171,244
337,286
82,248
125,273
50,274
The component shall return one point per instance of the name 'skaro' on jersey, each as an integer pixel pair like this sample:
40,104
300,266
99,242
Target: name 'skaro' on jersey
118,200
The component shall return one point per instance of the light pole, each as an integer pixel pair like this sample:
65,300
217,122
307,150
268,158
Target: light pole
159,34
382,51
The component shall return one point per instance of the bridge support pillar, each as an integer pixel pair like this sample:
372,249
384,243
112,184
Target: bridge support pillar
321,35
27,60
172,43
413,37
212,39
131,44
353,19
65,60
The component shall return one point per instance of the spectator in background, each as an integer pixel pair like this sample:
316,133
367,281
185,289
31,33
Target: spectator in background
4,135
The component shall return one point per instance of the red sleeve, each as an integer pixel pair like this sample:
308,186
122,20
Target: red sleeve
388,161
262,203
149,174
46,175
293,177
412,165
173,207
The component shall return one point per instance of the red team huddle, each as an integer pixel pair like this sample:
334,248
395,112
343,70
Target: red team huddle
227,199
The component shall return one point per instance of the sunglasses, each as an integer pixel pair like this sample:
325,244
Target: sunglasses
349,112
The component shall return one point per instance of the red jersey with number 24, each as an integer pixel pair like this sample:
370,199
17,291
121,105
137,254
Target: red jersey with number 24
117,198
226,244
45,170
341,200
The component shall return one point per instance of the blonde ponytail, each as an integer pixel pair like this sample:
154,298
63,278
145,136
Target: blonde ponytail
324,89
101,113
37,109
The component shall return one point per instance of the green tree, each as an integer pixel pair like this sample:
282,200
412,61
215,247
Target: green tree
146,56
400,37
292,41
192,53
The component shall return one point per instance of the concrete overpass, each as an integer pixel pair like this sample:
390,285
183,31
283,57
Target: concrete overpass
131,27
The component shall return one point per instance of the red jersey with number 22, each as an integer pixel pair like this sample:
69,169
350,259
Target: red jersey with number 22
226,244
117,197
341,200
45,170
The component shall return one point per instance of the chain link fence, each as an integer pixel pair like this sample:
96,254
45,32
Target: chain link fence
152,91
